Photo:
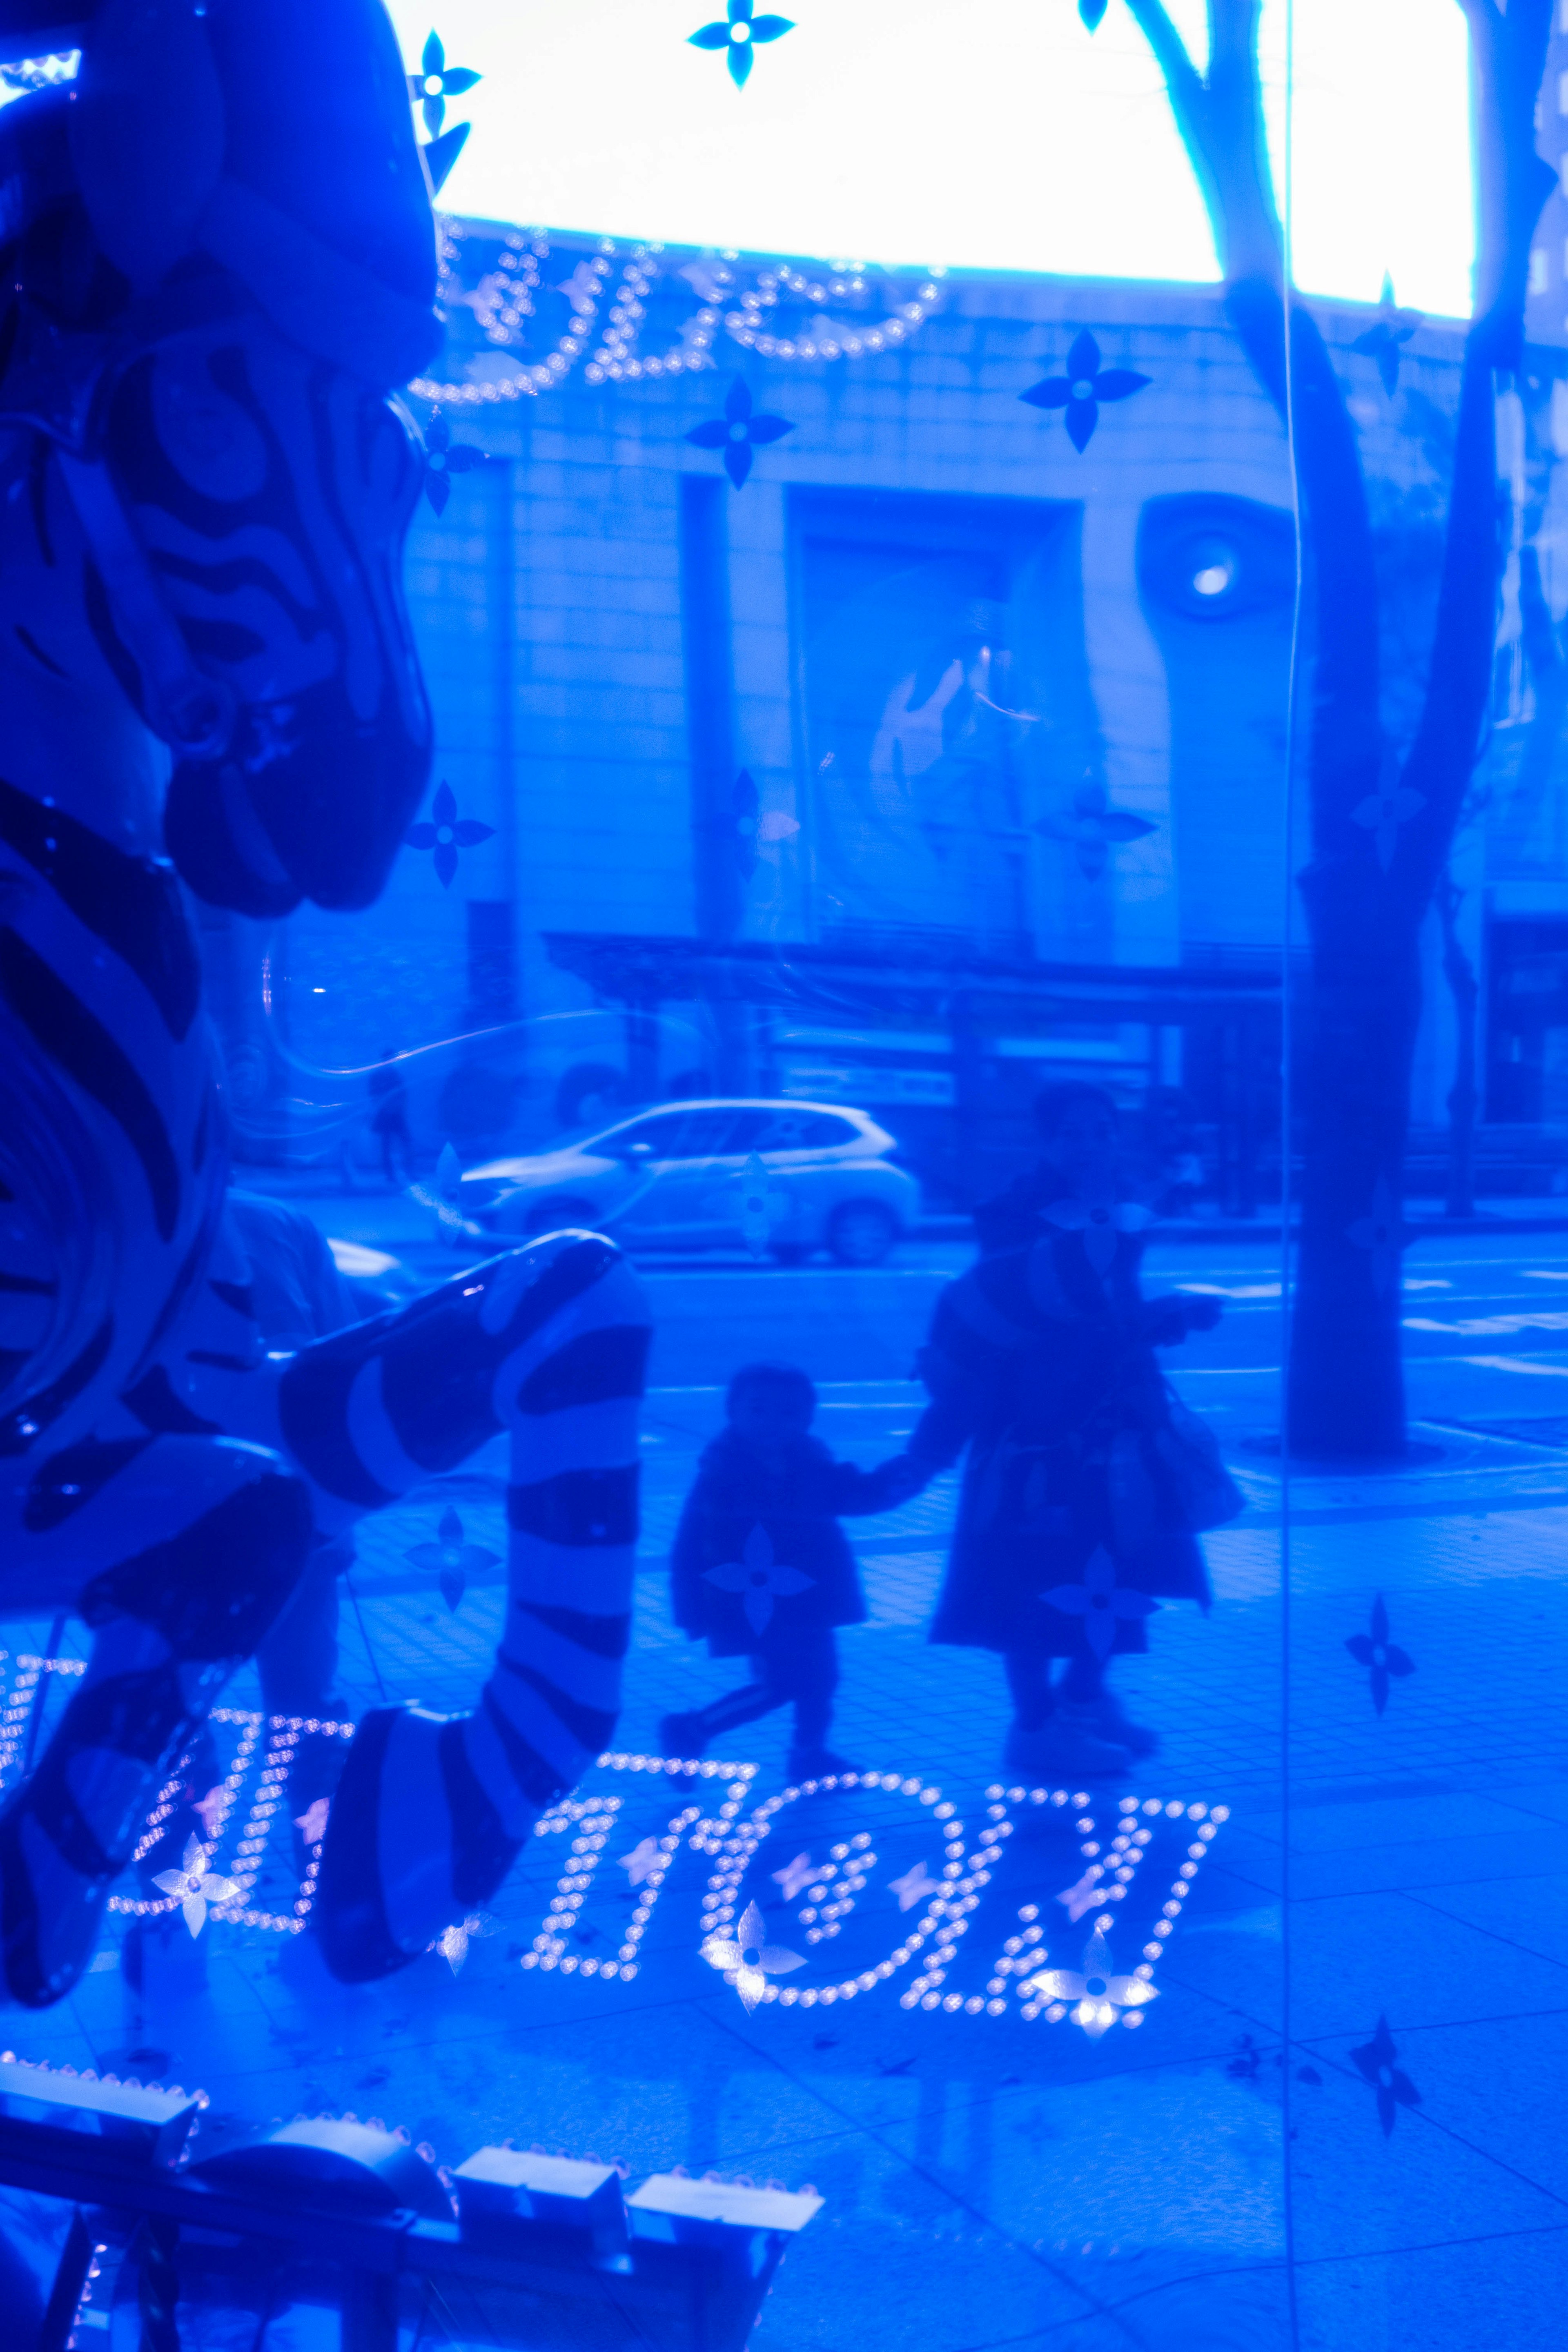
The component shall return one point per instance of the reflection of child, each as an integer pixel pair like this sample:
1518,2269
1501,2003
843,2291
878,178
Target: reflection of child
761,1568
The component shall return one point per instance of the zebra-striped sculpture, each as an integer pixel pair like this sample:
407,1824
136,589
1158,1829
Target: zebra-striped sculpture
216,258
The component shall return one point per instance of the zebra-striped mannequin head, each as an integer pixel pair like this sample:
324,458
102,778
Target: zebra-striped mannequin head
214,267
216,263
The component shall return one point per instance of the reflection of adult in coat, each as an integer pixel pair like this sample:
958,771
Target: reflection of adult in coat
1071,1525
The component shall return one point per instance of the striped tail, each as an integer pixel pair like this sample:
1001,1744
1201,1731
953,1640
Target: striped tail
548,1343
171,1619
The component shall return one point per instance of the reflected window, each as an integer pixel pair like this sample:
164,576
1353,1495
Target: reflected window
713,1131
808,1131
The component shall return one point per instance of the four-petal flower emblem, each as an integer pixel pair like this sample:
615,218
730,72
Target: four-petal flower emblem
453,1942
795,1876
1083,389
443,458
1098,1223
446,832
1093,827
1087,1896
1381,1656
916,1886
312,1823
643,1859
738,432
450,1556
1386,338
210,1810
1099,1600
751,1962
1382,813
737,35
1099,1996
435,83
197,1886
759,1579
762,1203
1394,2087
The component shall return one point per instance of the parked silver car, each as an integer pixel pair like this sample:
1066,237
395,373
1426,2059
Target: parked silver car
787,1177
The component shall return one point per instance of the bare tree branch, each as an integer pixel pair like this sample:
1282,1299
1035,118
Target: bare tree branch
1509,51
1220,119
1182,79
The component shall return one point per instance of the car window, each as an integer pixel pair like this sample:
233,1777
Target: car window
661,1130
719,1129
807,1131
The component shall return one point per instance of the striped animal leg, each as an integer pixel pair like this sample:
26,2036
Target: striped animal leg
170,1620
548,1343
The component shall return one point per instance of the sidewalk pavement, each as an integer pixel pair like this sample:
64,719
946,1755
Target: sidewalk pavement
1395,1881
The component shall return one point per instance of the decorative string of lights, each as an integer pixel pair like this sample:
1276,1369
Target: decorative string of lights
594,1819
1092,2010
506,296
41,73
272,1787
18,1707
828,341
285,1732
84,2316
1018,1981
719,1909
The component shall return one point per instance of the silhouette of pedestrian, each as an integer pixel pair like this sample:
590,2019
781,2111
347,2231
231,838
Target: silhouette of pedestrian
389,1119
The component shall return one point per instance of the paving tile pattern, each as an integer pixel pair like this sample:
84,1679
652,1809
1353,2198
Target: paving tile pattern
1023,2184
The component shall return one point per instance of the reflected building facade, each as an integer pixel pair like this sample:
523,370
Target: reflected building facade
938,758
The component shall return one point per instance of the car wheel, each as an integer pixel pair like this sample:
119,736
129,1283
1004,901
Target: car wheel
553,1216
789,1253
861,1233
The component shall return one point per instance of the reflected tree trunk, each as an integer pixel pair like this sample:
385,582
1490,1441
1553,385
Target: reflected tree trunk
1380,826
1464,1096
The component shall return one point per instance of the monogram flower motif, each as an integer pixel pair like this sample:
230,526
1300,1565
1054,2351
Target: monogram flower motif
738,432
1381,1656
210,1810
1382,813
762,1204
1099,1996
1099,1222
916,1886
446,832
312,1823
453,1942
435,83
1394,2087
443,458
643,1859
752,1961
197,1886
1092,828
450,1556
1386,338
759,1579
1083,388
1099,1600
1087,1896
739,36
795,1876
